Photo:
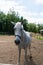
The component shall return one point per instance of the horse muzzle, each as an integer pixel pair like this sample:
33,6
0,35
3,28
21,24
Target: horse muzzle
17,40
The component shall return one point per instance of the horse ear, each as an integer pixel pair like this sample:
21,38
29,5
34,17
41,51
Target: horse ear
13,23
22,22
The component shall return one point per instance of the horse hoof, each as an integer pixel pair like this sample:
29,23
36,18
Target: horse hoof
18,63
25,63
30,57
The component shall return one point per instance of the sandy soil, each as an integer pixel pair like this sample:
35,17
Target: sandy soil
9,51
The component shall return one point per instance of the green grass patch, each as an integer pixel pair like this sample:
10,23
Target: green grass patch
39,37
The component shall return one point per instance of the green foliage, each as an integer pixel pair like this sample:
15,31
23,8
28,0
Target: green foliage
5,21
7,27
2,20
25,24
32,27
39,37
40,26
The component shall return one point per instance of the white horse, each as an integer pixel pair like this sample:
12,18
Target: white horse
22,39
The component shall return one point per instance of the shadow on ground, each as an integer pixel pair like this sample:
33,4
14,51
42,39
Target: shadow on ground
31,62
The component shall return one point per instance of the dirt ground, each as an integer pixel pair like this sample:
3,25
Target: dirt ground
9,51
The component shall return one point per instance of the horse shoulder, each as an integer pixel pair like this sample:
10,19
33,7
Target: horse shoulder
28,36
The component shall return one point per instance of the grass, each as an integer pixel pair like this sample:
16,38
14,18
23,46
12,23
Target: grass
39,37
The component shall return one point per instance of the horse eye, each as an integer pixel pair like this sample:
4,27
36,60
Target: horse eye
21,29
14,28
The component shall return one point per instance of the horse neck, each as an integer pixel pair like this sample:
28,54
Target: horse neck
23,35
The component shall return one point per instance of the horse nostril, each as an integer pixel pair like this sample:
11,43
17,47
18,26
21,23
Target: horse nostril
17,41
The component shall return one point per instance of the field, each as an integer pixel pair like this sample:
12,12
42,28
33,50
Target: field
9,51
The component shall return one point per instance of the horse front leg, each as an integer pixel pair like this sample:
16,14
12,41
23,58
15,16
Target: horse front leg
19,54
25,63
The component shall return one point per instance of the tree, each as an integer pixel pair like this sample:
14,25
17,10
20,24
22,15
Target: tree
25,24
32,27
40,27
2,19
